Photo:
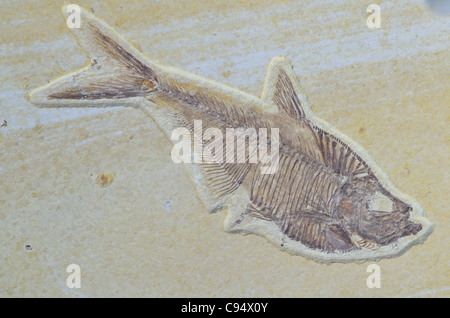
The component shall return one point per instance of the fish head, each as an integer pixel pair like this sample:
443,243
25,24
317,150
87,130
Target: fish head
373,216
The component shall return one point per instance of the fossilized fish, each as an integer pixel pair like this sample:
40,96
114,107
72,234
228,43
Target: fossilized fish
326,200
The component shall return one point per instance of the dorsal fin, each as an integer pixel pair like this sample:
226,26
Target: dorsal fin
282,90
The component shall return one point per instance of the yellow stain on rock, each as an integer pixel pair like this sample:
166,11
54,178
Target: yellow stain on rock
104,180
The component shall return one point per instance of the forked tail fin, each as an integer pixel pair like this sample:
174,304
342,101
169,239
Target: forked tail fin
117,74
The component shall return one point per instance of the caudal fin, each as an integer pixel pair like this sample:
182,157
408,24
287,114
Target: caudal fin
117,74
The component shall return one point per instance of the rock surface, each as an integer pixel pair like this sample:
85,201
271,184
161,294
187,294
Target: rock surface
146,233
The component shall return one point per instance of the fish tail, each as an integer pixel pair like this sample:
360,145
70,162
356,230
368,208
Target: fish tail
118,74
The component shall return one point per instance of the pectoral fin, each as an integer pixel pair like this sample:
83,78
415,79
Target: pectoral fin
338,240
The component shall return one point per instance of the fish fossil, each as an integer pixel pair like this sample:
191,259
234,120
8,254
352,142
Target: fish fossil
327,200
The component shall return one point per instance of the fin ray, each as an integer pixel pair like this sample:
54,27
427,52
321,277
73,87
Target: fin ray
117,71
282,89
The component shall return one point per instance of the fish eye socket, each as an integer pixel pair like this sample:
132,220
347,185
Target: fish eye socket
381,203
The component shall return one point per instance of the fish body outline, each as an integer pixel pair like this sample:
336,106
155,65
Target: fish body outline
326,200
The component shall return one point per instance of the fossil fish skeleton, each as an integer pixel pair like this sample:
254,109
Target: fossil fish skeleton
327,199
